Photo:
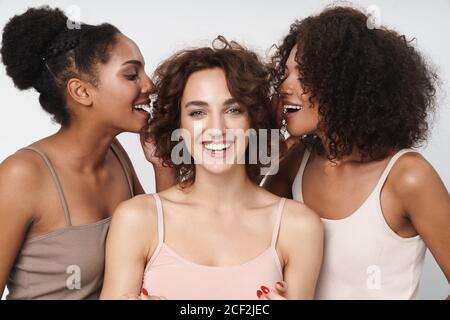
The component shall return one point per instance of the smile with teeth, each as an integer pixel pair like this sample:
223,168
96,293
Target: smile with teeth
289,108
142,107
217,146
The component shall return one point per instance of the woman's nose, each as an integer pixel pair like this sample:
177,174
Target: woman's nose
148,87
286,87
217,123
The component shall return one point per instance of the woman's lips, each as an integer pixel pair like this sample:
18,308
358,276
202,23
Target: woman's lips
289,110
217,149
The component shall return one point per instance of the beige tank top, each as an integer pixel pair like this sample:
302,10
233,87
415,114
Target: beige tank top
67,263
363,257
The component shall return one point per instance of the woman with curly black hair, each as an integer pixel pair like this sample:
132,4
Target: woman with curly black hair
358,99
57,195
215,234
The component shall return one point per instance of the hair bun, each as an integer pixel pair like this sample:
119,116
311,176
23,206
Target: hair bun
26,37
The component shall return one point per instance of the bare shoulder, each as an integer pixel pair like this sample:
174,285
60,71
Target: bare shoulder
22,175
301,232
135,222
300,219
413,173
136,212
21,178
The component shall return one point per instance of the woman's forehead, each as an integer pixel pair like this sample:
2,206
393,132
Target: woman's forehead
125,50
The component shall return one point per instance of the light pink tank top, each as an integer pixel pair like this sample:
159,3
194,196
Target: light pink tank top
363,257
168,274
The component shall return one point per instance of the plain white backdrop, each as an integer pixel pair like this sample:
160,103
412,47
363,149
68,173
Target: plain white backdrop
162,27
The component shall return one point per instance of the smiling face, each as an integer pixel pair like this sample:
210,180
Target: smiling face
301,115
215,122
121,99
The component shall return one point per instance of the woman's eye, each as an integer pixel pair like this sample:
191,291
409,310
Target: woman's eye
131,77
235,110
196,113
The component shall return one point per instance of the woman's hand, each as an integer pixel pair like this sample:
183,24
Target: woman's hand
279,293
165,176
145,296
149,148
142,296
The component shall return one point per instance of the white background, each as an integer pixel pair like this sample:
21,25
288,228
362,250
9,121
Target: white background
162,27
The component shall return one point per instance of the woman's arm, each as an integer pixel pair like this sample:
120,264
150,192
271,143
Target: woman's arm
165,177
131,238
281,182
426,202
19,181
301,242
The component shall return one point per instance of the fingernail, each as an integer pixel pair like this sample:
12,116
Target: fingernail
265,289
259,293
144,292
280,284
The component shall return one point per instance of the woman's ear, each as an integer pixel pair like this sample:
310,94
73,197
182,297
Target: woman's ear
79,91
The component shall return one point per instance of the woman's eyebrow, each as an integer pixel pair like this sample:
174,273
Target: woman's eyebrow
135,62
230,101
200,103
196,103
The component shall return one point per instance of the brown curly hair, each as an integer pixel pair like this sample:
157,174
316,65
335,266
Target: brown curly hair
373,89
248,81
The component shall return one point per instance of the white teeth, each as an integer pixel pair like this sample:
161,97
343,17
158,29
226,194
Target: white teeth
143,107
291,107
217,146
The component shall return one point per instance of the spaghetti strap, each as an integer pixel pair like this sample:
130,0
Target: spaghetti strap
57,183
297,189
160,218
389,166
125,167
276,228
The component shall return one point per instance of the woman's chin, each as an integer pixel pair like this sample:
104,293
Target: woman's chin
296,132
217,168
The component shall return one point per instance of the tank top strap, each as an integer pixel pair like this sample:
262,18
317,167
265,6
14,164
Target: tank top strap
297,192
57,183
389,166
160,216
125,167
276,228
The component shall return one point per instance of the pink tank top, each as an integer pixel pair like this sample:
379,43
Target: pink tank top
168,274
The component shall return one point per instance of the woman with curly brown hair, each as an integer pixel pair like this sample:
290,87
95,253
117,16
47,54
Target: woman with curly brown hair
358,100
216,234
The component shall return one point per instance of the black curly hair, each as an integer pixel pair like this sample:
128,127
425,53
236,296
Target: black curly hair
373,89
40,51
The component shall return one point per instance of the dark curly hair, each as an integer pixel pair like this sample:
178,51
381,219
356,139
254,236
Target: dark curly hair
40,51
247,79
373,89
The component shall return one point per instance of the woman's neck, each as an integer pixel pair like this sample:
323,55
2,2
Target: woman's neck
222,192
322,150
84,147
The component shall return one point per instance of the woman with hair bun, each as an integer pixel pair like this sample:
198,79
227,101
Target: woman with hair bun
57,195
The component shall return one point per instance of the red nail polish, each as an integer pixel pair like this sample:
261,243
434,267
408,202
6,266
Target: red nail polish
265,289
144,292
259,293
